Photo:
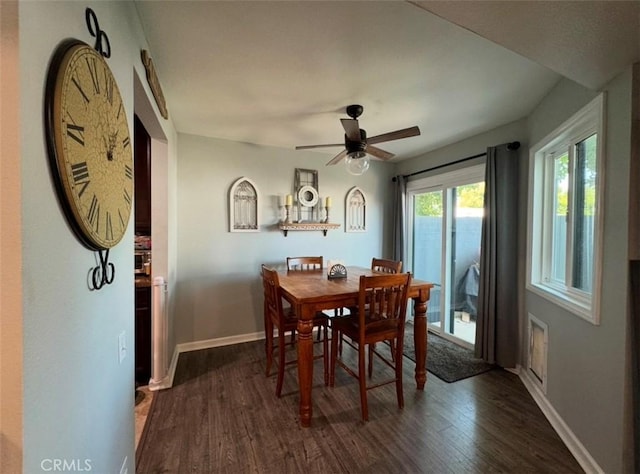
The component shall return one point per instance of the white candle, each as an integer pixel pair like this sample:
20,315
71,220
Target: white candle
289,200
327,202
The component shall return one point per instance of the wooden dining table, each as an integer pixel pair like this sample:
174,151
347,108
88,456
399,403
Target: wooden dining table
311,291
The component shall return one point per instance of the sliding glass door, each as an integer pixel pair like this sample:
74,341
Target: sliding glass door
445,225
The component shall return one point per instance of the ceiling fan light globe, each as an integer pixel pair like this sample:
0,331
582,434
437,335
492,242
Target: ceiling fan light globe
357,163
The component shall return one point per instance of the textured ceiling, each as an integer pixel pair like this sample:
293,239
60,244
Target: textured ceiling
282,73
589,42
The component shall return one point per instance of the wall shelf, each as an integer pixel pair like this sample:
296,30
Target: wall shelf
324,227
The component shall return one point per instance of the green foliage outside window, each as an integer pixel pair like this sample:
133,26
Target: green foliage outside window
468,196
429,204
588,179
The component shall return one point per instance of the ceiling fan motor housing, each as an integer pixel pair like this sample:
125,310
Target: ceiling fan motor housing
353,146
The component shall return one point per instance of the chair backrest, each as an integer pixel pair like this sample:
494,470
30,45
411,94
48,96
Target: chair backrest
386,266
272,298
304,263
382,302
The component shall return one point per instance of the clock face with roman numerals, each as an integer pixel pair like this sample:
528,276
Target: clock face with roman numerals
89,145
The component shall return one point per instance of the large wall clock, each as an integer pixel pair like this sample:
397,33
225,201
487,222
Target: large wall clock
89,145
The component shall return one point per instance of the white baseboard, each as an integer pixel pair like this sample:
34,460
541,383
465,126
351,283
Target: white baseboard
160,384
219,342
570,440
167,381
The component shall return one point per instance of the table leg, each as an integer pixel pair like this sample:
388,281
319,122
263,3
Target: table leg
420,337
305,368
268,338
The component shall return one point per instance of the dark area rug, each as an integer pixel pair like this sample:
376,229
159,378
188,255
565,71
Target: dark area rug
446,360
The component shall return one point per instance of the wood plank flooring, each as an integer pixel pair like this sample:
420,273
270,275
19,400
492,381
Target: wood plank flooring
222,416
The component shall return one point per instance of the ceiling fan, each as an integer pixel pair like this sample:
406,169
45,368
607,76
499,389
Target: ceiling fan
358,147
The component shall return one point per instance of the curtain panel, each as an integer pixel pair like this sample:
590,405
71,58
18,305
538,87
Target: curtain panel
497,319
399,218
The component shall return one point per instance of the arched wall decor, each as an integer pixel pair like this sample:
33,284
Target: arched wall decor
243,206
355,211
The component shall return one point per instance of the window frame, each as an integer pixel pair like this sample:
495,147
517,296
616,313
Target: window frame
587,121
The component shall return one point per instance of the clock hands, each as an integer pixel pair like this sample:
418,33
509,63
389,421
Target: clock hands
113,140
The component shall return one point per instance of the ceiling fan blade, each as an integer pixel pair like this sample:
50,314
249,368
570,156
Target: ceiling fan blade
387,137
307,147
336,159
378,153
352,129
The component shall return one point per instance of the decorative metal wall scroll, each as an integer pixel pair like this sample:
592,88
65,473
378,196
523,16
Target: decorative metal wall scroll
154,83
243,206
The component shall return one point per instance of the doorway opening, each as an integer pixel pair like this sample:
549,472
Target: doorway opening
445,226
153,334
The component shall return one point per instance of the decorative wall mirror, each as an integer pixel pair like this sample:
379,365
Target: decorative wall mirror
243,206
355,211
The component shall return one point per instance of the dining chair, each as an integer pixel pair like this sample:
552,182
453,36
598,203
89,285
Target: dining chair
386,266
380,265
305,264
285,321
382,308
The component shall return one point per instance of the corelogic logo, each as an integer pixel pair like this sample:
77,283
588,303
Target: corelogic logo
65,465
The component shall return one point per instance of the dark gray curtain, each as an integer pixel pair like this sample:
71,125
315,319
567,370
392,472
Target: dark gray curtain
634,348
497,318
399,218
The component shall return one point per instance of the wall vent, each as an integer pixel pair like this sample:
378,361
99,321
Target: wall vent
538,333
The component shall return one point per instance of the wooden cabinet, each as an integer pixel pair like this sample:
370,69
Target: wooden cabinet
142,170
143,335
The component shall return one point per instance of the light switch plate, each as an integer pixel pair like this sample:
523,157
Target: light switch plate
122,347
124,469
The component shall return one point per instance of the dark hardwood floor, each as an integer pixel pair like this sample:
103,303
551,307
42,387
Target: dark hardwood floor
222,416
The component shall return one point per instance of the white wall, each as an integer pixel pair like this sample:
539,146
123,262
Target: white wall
10,249
514,131
586,363
219,288
78,398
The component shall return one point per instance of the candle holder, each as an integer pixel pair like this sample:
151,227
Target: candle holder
326,210
287,210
